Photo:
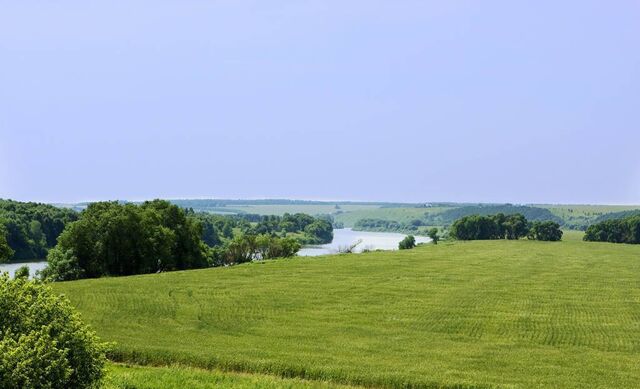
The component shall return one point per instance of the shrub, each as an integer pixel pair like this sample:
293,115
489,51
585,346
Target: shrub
21,272
43,342
546,231
408,242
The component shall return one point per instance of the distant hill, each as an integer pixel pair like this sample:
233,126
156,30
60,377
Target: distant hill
531,213
616,215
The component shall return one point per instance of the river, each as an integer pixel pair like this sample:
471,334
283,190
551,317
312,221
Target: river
33,267
369,240
342,237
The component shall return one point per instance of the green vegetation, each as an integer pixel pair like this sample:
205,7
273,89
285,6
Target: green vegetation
115,239
502,313
180,377
579,217
546,231
123,239
6,252
530,213
30,229
305,228
407,243
625,230
500,226
433,234
22,272
43,343
405,216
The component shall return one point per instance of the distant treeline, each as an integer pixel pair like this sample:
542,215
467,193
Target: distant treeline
114,238
307,229
501,226
31,229
624,230
530,213
448,217
617,215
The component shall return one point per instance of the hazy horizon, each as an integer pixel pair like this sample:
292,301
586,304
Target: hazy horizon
411,101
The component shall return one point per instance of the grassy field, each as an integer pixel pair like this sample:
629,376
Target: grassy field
402,215
471,314
311,209
584,214
180,377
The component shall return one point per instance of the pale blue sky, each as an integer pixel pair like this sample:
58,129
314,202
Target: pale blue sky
496,101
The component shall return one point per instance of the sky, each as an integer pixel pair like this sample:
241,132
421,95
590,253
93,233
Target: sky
492,101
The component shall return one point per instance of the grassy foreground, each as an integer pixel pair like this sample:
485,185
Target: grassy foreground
143,377
469,314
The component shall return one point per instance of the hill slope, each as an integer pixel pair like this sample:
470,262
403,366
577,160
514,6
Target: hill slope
476,314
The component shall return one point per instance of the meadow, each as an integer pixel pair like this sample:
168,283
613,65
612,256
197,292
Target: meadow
514,314
121,376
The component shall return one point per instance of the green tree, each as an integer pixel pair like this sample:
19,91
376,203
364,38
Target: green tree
408,242
545,231
515,226
433,234
5,251
123,239
43,342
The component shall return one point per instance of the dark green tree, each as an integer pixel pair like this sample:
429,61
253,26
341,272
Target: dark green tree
408,242
433,234
5,250
545,231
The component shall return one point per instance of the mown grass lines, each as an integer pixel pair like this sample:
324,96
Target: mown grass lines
474,314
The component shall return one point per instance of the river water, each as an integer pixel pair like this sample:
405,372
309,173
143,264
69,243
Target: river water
33,267
342,237
369,240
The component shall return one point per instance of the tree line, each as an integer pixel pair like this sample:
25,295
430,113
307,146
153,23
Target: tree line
501,226
624,230
113,239
30,229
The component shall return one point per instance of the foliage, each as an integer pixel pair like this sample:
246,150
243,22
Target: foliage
306,229
22,272
408,242
123,239
617,215
545,231
32,228
500,226
43,343
529,213
433,234
625,230
6,252
419,314
244,248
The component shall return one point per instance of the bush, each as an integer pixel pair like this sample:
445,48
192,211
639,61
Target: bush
43,342
545,231
21,272
408,242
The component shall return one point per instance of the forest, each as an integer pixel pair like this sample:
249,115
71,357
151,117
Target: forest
31,229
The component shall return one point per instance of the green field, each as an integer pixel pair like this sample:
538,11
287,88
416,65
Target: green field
402,215
311,209
180,377
584,214
466,314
